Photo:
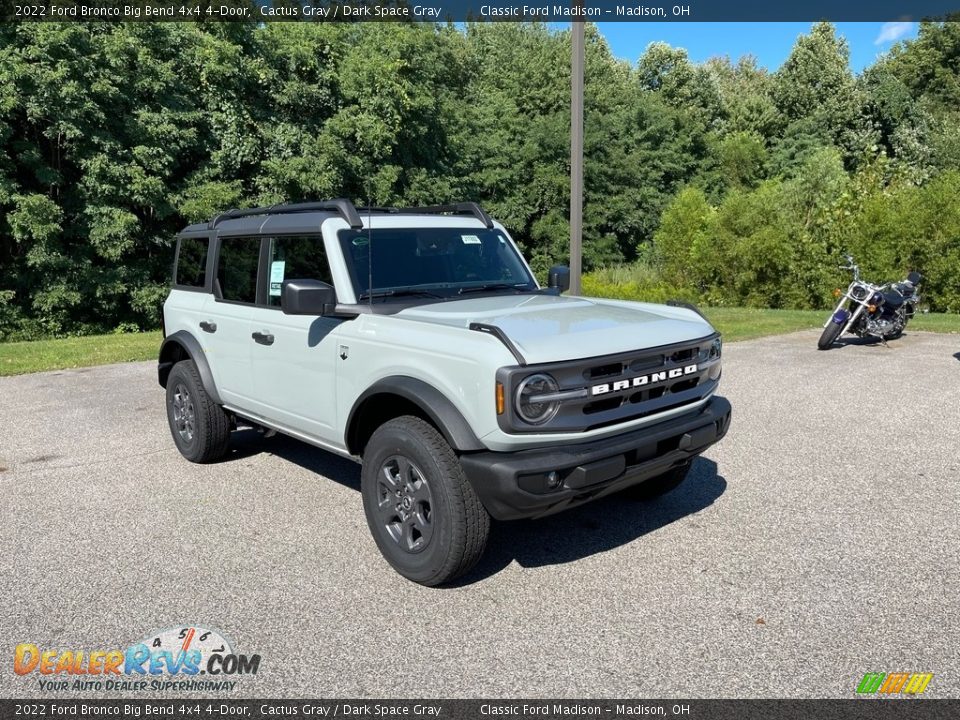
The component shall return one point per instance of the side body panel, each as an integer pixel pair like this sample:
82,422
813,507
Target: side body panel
461,364
229,348
294,381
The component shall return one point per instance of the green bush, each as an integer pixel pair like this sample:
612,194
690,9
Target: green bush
778,246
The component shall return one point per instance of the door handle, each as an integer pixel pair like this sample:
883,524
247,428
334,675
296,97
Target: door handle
207,326
263,338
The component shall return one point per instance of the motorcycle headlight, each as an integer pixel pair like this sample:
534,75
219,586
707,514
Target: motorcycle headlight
859,293
530,404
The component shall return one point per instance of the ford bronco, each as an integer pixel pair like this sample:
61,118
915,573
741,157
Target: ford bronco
419,342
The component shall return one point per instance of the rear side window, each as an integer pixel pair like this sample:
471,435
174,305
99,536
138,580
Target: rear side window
191,268
237,269
296,258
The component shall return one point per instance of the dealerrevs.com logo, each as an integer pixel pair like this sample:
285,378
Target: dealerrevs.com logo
173,659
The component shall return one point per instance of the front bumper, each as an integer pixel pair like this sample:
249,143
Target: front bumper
513,485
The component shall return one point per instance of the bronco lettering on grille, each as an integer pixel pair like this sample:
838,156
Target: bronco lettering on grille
641,380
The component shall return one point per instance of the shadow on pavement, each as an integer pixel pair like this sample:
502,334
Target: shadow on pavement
595,527
245,443
572,535
854,341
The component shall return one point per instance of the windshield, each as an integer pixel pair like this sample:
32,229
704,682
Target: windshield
438,262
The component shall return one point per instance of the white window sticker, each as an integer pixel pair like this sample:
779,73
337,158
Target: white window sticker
471,240
276,277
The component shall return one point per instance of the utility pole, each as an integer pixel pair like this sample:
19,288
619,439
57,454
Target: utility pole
576,154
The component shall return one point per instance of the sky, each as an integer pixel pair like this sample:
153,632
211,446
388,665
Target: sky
770,43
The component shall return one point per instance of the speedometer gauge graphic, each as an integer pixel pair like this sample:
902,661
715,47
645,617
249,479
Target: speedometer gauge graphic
187,638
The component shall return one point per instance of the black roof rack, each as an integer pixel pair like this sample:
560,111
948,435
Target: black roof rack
341,205
349,212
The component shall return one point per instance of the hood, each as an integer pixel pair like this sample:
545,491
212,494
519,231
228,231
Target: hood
550,328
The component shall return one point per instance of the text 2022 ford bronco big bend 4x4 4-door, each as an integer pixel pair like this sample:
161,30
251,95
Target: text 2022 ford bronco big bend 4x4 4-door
419,341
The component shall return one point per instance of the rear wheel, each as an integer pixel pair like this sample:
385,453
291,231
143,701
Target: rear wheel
200,427
830,333
425,517
659,485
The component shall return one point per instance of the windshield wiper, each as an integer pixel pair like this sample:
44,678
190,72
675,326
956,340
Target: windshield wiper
491,286
398,292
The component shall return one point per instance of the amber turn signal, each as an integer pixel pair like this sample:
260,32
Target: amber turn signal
838,292
500,405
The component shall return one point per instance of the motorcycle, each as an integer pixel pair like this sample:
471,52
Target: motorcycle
880,311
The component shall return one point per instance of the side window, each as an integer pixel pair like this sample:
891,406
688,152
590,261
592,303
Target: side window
237,269
296,258
191,270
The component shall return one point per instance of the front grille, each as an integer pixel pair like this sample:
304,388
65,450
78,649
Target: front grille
610,390
602,371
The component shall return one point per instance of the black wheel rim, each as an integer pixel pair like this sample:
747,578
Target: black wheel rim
184,414
405,504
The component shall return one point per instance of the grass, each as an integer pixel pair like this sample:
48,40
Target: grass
735,323
17,358
747,323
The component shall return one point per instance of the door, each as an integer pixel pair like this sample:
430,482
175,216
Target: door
294,361
226,318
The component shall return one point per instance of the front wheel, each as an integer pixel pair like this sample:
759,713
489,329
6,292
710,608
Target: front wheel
200,428
425,517
830,333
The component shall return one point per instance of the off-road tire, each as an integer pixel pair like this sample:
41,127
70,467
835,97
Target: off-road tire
458,523
209,435
830,333
659,485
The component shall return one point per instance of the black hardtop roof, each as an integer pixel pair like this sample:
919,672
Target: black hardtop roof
312,214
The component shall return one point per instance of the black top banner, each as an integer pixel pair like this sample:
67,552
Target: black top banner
478,10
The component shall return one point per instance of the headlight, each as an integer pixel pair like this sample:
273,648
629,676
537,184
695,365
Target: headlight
716,350
710,352
859,292
531,406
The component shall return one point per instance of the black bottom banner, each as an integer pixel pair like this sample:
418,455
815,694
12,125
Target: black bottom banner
860,709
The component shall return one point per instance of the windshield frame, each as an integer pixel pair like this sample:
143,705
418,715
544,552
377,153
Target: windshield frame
445,290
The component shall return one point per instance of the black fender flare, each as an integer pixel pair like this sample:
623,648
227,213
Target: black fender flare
191,346
434,404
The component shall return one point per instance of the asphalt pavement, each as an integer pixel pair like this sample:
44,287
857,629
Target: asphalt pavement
818,541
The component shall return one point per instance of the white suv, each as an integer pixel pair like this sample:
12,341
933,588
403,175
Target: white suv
419,340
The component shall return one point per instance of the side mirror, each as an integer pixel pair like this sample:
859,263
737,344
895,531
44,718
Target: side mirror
559,277
307,297
914,278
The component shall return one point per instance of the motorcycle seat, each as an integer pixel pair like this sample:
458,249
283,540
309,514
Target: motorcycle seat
893,299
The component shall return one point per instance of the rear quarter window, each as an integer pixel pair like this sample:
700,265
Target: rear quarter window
191,269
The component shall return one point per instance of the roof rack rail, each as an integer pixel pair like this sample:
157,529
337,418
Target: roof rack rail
463,208
342,206
349,212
